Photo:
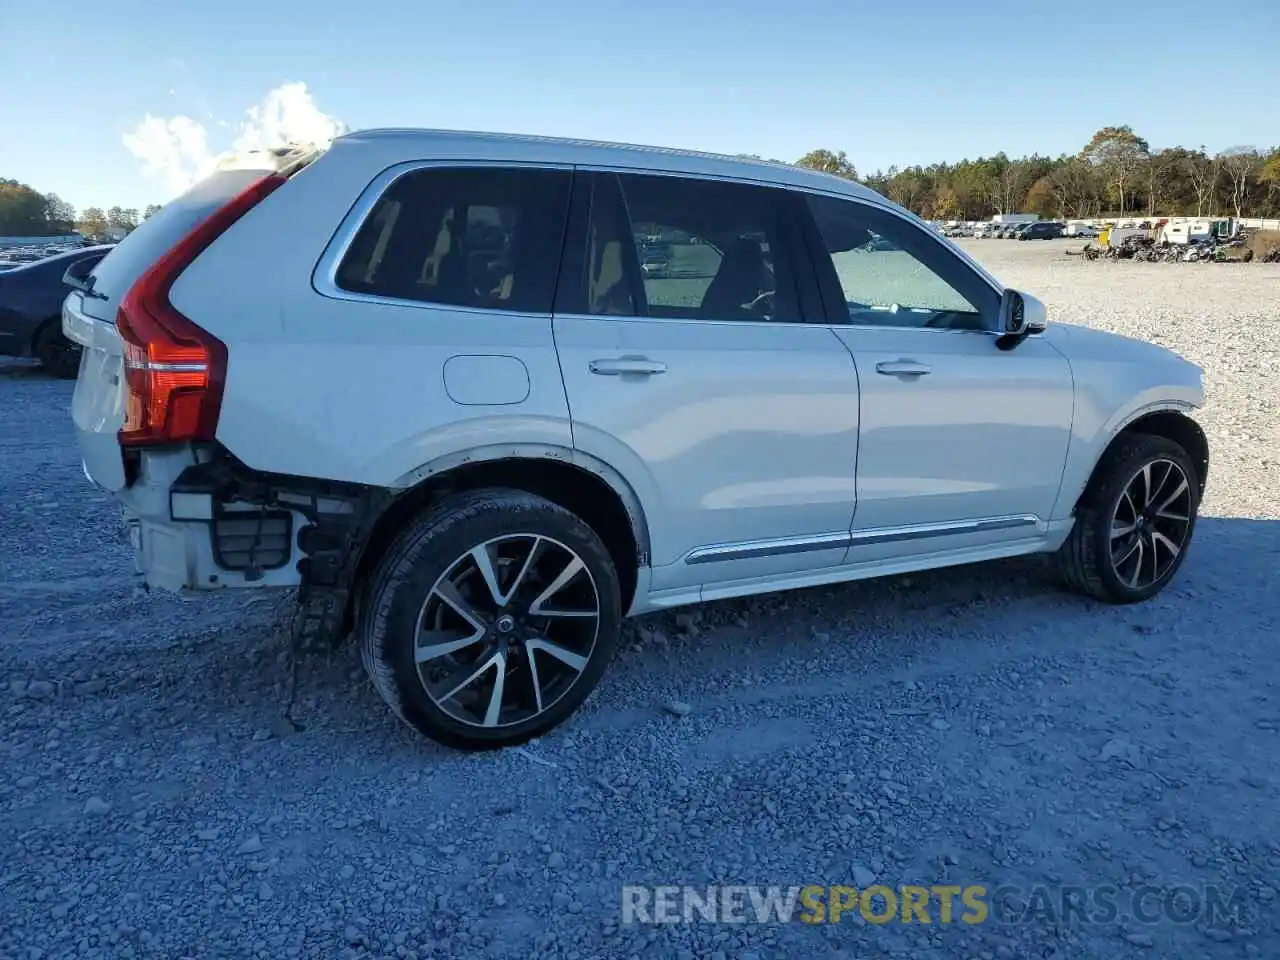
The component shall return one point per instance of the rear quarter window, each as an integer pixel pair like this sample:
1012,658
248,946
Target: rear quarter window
474,237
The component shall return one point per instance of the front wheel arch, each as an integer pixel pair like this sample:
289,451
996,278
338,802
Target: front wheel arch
1170,424
46,340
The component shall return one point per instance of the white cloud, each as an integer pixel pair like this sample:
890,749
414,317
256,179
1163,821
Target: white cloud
176,150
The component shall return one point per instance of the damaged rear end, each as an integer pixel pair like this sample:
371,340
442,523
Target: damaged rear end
150,391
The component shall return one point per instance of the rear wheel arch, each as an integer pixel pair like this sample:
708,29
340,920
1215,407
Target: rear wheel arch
585,487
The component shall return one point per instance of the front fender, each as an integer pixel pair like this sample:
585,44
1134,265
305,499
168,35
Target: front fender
1088,445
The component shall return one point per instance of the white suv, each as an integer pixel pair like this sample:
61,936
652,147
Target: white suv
422,377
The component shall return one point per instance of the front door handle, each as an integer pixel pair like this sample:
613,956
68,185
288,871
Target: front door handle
627,366
903,368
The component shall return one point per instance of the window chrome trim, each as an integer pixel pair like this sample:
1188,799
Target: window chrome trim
783,546
324,278
883,207
875,201
324,275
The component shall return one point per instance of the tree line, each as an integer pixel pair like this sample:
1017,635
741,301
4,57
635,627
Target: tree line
25,212
1115,174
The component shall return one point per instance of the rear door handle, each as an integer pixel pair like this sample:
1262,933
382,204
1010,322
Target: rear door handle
903,368
627,366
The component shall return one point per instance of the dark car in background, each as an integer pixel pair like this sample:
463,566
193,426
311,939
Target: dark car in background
31,298
1042,230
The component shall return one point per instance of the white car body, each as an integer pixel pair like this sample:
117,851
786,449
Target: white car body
766,456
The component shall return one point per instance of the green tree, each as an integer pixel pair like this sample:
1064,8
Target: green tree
122,218
1118,153
827,162
1077,186
61,215
151,211
1269,176
93,222
23,211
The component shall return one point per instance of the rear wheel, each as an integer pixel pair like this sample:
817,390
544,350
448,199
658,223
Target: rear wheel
55,352
490,619
1135,522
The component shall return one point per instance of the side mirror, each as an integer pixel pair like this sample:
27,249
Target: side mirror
1021,315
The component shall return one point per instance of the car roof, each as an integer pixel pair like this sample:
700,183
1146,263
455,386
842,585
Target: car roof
76,254
478,145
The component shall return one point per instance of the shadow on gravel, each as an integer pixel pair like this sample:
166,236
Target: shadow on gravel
12,368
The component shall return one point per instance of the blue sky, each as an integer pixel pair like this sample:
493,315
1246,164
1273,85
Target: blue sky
889,83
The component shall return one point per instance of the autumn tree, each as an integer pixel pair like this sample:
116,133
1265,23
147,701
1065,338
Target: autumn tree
946,206
1118,153
825,161
1043,199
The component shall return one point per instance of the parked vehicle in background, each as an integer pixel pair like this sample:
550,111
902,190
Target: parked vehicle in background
985,230
1183,232
31,297
1041,230
1087,230
481,460
1012,219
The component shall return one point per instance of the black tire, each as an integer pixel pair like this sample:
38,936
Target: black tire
56,353
1085,560
431,546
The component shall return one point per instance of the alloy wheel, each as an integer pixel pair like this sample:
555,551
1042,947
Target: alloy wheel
1151,524
507,630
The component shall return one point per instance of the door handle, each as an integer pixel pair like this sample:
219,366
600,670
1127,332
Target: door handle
627,366
903,368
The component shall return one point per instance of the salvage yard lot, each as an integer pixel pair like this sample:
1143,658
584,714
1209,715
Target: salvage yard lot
973,726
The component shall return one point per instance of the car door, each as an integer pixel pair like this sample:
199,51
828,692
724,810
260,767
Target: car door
735,420
962,444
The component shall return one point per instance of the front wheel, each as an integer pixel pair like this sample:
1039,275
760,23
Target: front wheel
1135,522
491,619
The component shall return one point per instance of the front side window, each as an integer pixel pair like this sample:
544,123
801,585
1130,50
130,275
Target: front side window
892,273
482,237
664,246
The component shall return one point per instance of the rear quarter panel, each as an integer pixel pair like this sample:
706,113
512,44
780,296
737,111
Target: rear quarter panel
346,389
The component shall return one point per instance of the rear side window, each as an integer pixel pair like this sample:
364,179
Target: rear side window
481,237
681,248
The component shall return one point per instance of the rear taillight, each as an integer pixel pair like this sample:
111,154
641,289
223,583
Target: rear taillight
174,371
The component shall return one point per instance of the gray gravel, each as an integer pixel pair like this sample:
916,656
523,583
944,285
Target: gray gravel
975,725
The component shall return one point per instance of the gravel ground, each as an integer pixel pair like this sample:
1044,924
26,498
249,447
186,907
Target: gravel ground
973,725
